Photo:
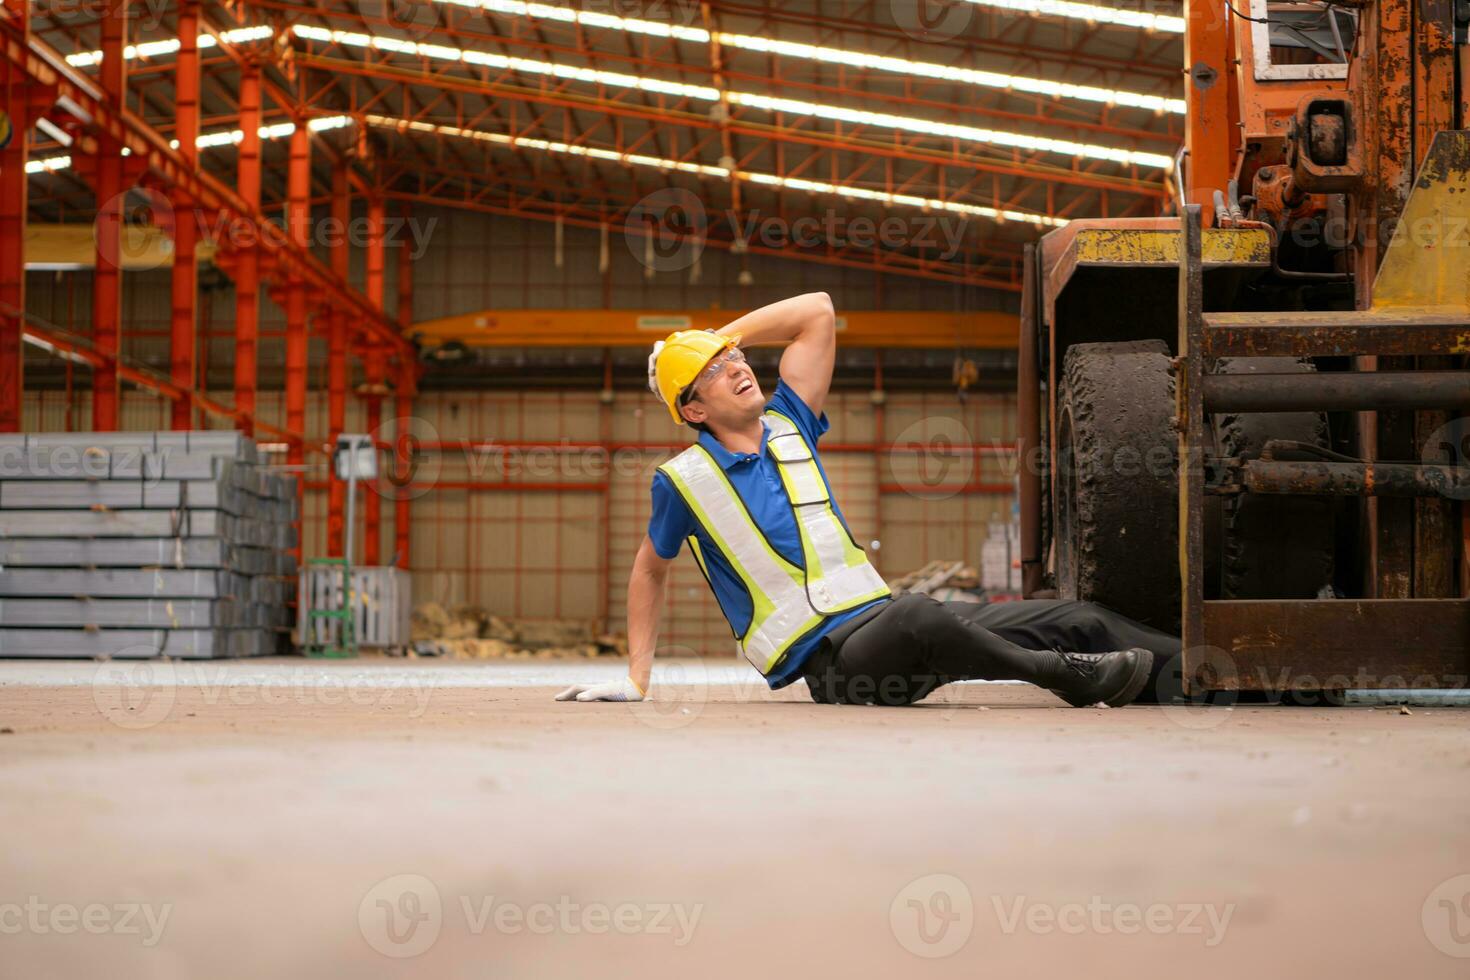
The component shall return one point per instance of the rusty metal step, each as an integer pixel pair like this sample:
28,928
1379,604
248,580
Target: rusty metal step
1254,645
1417,330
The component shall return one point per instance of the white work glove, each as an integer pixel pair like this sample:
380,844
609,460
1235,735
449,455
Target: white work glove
623,690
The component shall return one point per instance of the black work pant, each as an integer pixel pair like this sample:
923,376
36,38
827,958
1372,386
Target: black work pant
914,644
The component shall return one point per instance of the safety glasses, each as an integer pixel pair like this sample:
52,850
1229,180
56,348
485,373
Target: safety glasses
732,355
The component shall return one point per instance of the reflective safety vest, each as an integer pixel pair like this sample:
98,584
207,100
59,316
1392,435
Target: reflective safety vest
787,602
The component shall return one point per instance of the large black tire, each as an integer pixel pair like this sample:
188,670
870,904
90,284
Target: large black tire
1273,547
1116,490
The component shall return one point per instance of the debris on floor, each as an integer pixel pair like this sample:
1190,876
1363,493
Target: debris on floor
470,633
935,575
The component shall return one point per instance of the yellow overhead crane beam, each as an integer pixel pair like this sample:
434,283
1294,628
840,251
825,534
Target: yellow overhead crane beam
74,246
640,328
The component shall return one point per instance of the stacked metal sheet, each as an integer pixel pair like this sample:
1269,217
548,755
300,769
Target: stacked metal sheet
143,544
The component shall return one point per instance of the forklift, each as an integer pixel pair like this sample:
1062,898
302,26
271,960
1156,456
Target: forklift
1245,413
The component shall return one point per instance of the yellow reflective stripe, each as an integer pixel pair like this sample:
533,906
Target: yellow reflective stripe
835,566
756,640
782,597
739,508
785,607
783,429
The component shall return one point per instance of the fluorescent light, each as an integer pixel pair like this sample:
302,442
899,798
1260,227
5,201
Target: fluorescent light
862,59
975,134
157,49
54,131
206,141
51,348
862,117
790,49
754,177
487,59
984,79
47,164
1090,12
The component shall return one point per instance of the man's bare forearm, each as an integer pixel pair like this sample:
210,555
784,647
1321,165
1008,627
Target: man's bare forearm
645,605
782,322
807,324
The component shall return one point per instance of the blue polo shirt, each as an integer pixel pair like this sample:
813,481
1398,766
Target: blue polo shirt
758,482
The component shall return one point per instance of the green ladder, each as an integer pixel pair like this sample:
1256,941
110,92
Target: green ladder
315,646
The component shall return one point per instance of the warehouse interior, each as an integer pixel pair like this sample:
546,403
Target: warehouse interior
334,350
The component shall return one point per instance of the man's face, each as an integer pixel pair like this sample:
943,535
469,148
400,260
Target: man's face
725,393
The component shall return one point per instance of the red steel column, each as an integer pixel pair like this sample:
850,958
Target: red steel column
13,187
337,358
247,264
298,219
183,325
376,378
107,274
403,435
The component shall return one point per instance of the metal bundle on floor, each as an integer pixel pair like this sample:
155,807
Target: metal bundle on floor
143,544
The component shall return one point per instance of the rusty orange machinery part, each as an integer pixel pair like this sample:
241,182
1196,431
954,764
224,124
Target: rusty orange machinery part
1290,134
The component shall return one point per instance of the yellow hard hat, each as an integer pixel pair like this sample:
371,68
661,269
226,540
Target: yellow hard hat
677,360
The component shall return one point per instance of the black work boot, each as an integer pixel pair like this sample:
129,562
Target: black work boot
1114,678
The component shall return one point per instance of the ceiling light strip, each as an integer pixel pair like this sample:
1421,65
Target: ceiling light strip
765,103
659,163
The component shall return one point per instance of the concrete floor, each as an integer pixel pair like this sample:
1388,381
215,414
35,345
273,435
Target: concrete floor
367,819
